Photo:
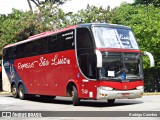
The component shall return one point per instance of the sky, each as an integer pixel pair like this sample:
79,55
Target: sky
70,6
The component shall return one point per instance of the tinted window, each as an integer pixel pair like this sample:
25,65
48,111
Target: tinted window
84,39
21,51
42,45
31,49
67,40
9,53
85,53
54,44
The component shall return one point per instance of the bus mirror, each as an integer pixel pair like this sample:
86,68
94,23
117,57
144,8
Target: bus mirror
152,64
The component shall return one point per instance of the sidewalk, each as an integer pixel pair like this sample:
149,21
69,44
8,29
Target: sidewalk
5,93
151,93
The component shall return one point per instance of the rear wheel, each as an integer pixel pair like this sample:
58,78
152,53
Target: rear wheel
76,100
21,92
14,91
111,101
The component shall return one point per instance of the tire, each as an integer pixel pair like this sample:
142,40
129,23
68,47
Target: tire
111,101
14,91
75,99
21,92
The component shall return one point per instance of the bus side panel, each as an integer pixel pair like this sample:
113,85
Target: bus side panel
24,68
10,75
66,71
87,89
47,74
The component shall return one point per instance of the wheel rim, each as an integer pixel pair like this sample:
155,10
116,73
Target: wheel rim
72,93
20,92
14,90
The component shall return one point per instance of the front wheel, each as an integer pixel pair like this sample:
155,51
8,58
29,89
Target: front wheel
21,92
76,100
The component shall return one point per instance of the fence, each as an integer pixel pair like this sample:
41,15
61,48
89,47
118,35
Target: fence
152,80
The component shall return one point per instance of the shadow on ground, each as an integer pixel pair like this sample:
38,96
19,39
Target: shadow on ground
86,103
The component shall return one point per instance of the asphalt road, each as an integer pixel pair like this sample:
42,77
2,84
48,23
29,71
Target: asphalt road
146,103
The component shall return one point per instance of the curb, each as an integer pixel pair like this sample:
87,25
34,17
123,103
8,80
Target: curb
5,93
152,93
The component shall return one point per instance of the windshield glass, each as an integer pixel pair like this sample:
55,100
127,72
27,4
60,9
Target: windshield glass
114,38
121,66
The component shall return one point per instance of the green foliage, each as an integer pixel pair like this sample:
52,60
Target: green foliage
20,25
17,26
156,3
51,16
43,2
91,14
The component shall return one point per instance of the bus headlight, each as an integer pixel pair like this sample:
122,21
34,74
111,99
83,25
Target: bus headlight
139,87
106,88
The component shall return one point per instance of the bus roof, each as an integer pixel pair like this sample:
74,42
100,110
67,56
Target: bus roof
44,34
103,24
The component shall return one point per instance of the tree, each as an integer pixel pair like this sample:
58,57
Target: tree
20,25
40,3
13,25
91,14
156,3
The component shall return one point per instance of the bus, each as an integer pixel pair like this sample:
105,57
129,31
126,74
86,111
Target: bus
84,61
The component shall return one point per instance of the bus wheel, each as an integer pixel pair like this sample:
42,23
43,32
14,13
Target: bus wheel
21,93
76,100
111,101
14,91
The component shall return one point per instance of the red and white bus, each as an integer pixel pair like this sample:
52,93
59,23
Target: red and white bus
85,61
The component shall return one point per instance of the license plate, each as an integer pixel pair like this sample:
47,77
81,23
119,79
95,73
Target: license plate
125,94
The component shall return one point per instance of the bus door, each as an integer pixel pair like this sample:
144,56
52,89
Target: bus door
86,59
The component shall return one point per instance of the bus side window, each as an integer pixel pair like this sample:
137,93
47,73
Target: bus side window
42,46
68,40
85,53
8,54
84,41
11,53
21,51
54,44
31,49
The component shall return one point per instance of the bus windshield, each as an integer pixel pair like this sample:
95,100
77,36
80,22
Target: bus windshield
121,66
114,38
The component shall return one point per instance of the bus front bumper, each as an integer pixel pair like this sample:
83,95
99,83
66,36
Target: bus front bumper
119,94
